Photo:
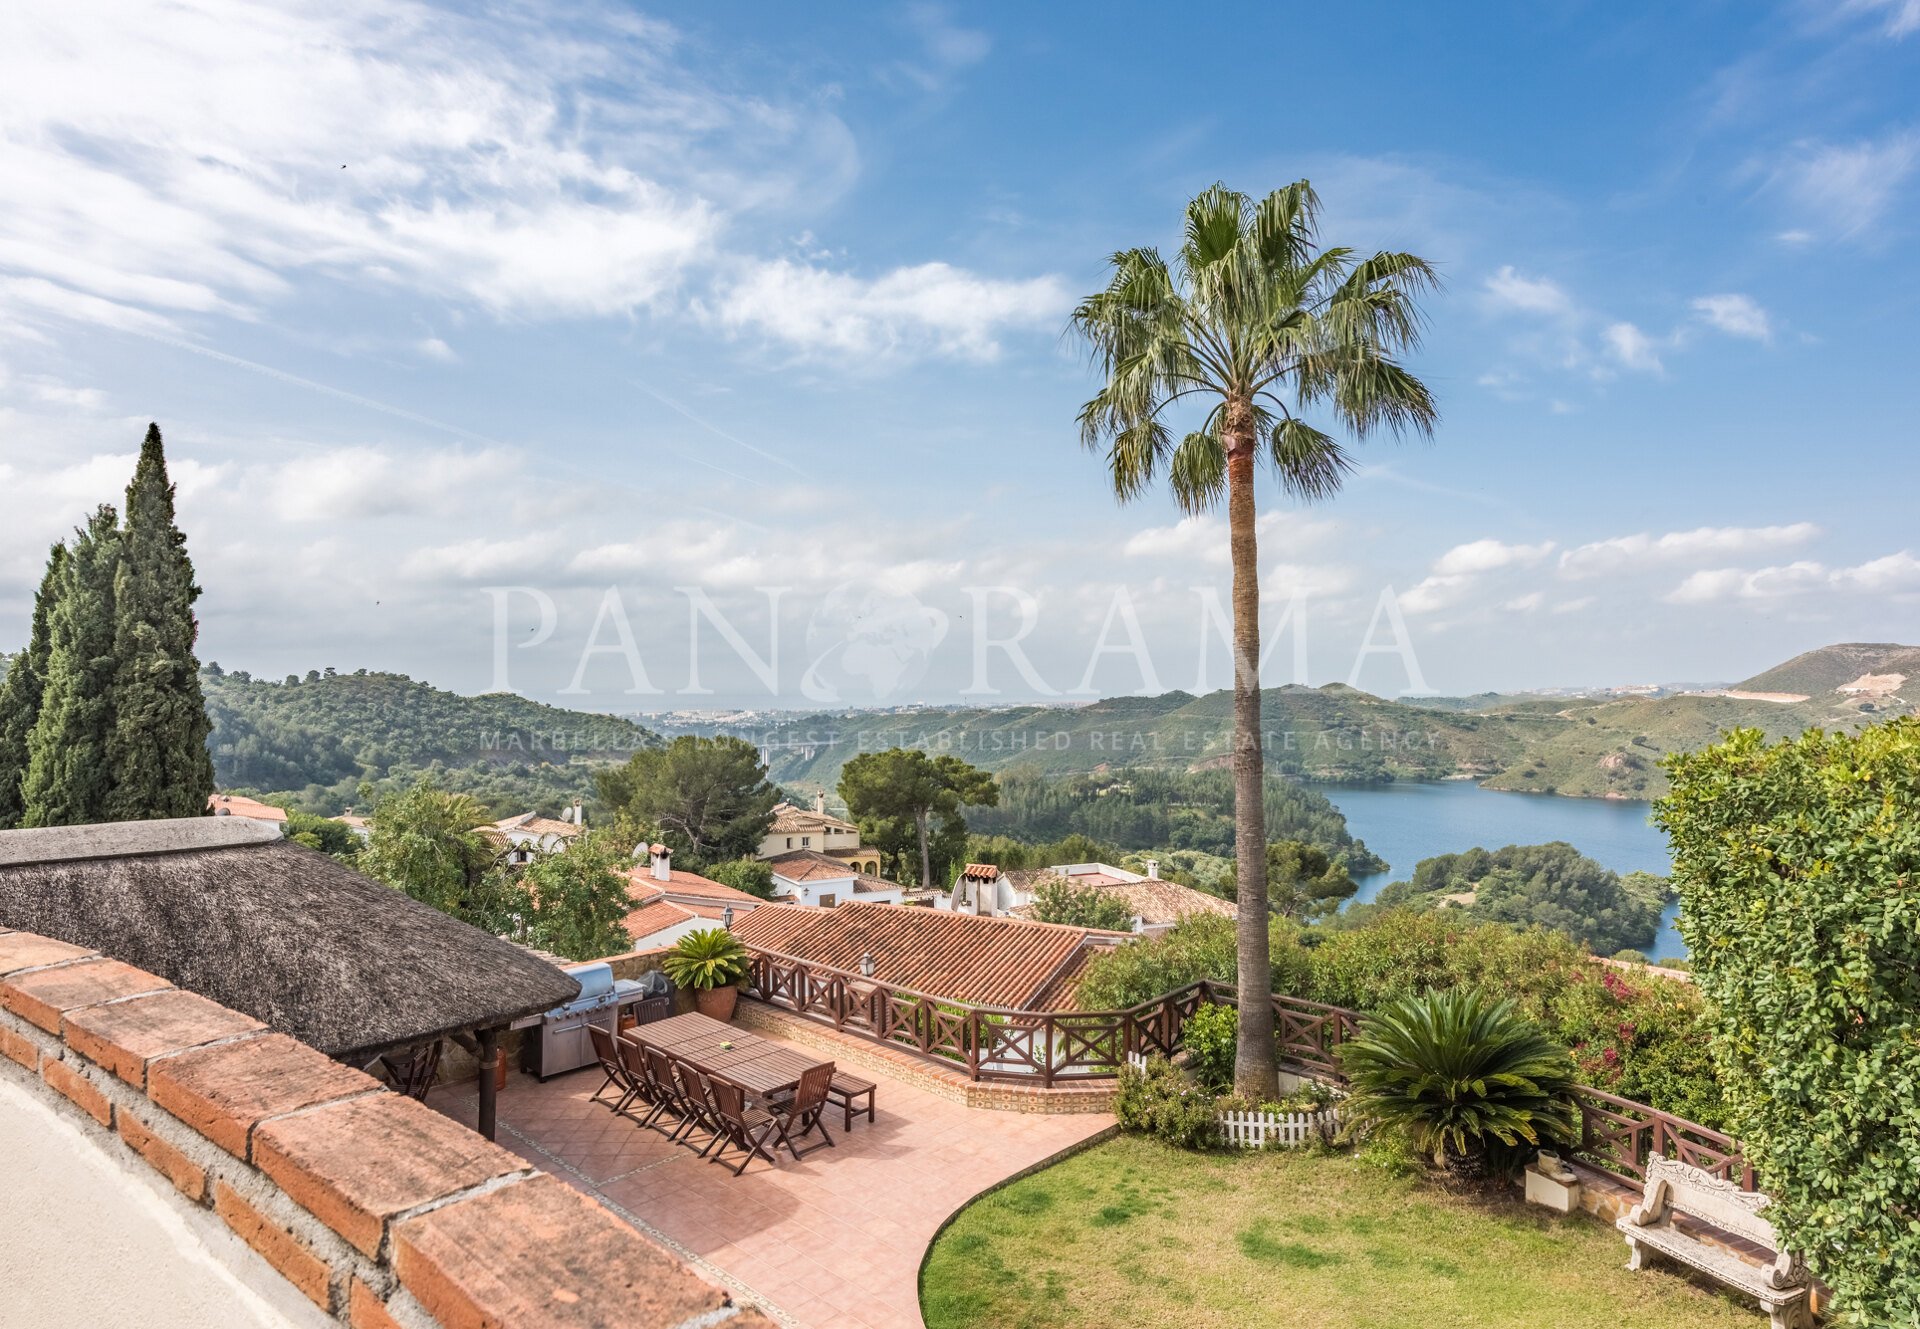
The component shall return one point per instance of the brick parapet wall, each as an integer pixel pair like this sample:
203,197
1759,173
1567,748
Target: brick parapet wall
873,1057
382,1212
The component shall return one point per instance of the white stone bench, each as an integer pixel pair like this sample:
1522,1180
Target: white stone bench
1674,1187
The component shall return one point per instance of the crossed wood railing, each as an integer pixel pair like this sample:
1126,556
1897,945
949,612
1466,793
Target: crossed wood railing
1071,1047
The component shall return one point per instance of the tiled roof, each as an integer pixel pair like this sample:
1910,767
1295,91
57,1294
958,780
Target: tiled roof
534,824
656,915
1009,962
979,872
808,865
239,805
690,885
791,820
1155,901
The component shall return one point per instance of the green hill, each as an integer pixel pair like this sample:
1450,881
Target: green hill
1818,673
315,740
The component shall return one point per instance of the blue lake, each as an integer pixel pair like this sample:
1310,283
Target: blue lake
1406,822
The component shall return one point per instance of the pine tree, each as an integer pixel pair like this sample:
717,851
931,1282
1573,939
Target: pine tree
157,750
20,694
68,778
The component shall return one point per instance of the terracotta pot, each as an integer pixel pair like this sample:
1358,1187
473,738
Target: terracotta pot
717,1003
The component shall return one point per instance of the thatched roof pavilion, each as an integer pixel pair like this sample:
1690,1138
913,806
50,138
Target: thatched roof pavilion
224,907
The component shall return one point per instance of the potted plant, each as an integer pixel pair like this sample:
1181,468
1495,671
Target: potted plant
710,963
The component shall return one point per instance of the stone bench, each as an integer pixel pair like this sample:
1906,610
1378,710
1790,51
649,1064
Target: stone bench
1781,1288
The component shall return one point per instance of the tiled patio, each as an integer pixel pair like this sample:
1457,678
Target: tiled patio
832,1240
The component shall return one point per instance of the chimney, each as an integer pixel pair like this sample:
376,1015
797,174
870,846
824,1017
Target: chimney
579,817
820,801
662,862
1153,869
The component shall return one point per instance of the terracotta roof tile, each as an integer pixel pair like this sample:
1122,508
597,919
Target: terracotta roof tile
791,820
239,805
1009,962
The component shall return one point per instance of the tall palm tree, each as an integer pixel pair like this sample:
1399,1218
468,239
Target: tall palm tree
1262,324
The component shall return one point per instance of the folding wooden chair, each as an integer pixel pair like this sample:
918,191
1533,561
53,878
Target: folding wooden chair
743,1127
802,1115
607,1049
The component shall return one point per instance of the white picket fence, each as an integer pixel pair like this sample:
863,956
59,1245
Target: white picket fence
1257,1130
1288,1130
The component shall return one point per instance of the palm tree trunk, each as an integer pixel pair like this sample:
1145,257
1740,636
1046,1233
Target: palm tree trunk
926,855
1255,1070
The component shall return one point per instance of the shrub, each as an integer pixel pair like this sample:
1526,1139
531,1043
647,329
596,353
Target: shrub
751,875
1161,1101
1060,901
1200,946
1458,1072
705,959
1209,1039
1799,868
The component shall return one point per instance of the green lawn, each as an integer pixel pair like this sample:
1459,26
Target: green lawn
1133,1232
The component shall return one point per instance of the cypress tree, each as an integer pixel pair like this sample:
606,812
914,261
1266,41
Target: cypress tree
20,694
157,750
68,778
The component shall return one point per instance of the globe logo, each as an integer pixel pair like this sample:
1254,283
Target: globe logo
868,644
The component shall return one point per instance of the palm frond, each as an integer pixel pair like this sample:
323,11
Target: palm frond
1311,464
1198,472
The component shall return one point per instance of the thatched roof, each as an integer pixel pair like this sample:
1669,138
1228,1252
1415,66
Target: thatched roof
226,908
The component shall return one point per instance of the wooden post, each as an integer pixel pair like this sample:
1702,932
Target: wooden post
489,1068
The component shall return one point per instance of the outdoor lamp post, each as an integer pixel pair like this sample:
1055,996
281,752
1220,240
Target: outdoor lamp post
866,965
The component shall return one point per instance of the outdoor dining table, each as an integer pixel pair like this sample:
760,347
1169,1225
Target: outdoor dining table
758,1065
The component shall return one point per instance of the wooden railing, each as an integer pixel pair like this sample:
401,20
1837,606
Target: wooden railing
1051,1047
1620,1135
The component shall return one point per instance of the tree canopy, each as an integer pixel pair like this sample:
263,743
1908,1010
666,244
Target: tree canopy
423,842
709,798
1798,866
1303,882
577,897
895,794
1546,885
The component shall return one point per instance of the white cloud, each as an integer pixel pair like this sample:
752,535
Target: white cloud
1891,574
1508,289
1736,315
1435,592
1627,552
1573,606
932,306
1488,555
484,158
1632,348
1845,189
435,349
1894,572
1903,16
1525,604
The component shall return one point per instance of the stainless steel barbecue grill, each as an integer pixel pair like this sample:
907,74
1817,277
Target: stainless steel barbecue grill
561,1042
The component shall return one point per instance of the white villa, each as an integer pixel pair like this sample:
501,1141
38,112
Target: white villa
669,903
1157,904
798,829
530,833
808,876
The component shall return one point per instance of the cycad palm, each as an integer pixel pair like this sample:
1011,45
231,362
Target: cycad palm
1258,321
1456,1070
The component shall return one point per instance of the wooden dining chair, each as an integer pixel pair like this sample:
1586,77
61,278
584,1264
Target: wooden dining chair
699,1104
413,1072
646,1093
742,1126
804,1113
666,1084
607,1049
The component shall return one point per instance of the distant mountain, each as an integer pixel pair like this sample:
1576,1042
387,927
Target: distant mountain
1818,673
1593,747
316,738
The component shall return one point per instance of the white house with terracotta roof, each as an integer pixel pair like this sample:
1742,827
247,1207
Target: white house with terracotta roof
808,876
669,903
797,829
530,833
1157,904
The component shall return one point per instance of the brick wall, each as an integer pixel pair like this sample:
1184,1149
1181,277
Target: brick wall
382,1212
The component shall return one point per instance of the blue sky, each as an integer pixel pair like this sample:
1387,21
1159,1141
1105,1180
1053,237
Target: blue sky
606,301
